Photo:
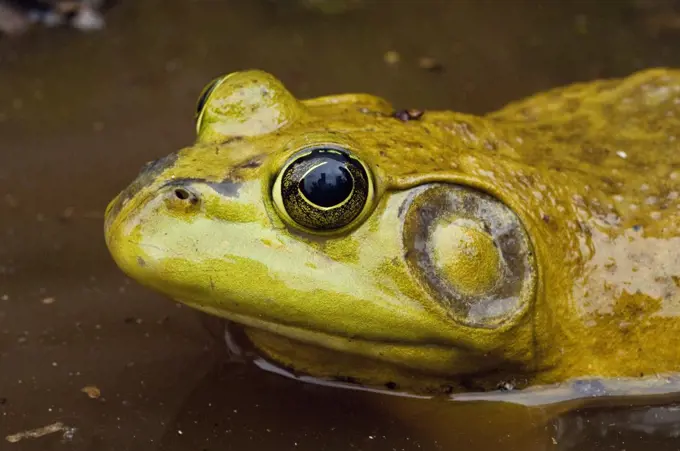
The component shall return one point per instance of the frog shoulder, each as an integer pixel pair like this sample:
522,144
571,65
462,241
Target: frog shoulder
648,92
630,115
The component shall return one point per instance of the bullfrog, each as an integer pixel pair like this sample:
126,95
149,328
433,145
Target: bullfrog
427,252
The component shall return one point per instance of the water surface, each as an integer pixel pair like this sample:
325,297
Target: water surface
79,115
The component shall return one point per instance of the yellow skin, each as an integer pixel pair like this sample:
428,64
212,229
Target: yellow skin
533,245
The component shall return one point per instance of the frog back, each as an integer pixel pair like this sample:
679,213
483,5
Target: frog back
622,136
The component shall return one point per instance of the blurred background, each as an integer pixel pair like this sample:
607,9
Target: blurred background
91,90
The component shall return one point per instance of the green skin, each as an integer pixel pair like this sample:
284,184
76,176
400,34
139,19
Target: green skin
536,244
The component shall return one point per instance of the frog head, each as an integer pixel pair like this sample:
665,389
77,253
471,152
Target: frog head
348,241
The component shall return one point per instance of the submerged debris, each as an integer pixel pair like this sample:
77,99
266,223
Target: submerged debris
92,391
392,57
16,16
12,21
430,64
40,432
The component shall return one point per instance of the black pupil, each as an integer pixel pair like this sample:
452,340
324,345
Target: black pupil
328,184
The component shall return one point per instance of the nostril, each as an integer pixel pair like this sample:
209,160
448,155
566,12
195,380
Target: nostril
186,195
182,194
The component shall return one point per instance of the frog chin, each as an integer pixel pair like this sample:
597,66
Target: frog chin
316,364
293,345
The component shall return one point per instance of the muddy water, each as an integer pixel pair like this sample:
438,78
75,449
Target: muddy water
80,113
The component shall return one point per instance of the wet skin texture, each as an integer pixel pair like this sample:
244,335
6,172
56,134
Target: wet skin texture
535,244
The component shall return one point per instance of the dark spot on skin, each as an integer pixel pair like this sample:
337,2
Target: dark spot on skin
465,128
608,181
141,262
226,188
391,385
183,181
487,229
594,155
3,401
490,145
528,114
226,142
408,115
250,164
232,140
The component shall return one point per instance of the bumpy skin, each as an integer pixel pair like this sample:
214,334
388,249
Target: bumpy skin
558,258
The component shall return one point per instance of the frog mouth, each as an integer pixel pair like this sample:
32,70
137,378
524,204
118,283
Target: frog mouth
414,355
334,341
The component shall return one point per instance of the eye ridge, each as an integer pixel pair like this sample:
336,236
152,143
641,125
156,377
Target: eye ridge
203,98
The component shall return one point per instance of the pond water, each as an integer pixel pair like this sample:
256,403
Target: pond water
122,368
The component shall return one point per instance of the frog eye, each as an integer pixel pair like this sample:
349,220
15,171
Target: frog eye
323,188
204,96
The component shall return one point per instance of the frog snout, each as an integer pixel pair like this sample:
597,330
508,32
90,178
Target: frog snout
111,215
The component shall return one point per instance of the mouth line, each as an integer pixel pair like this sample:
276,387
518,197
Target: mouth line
353,345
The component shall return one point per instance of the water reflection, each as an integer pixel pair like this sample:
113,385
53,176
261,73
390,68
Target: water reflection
233,408
238,407
585,415
632,428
